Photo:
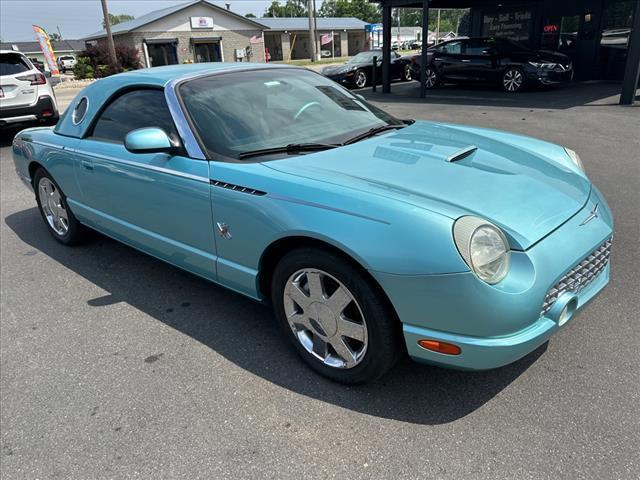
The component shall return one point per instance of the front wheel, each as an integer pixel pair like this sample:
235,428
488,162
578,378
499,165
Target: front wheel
512,80
431,78
406,73
52,203
334,316
360,79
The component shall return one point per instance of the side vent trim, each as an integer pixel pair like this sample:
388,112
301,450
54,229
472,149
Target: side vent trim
237,188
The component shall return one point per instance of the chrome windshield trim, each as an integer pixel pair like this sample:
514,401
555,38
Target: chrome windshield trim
180,120
144,166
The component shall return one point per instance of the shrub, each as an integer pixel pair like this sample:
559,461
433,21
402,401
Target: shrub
83,69
98,59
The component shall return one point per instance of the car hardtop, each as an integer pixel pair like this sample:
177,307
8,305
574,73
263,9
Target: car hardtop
100,91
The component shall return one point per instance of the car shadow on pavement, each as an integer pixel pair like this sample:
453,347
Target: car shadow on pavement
245,332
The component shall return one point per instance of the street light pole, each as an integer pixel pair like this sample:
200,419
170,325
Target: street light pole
312,30
107,26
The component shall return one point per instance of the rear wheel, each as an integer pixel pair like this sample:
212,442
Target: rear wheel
52,203
360,79
513,80
334,317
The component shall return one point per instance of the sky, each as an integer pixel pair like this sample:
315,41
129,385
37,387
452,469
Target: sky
79,18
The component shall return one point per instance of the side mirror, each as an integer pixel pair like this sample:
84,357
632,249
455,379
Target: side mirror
148,140
361,97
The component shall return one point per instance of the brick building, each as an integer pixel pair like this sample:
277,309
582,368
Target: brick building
288,38
196,31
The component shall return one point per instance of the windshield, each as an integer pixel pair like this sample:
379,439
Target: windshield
240,112
509,46
364,57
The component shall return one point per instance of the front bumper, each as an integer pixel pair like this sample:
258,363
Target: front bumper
30,113
549,77
345,79
497,325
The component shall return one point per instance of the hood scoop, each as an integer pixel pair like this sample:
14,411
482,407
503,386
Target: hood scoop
462,154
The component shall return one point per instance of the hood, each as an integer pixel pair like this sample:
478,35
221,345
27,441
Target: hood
337,69
526,186
551,57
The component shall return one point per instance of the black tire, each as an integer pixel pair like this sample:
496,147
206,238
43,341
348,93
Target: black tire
405,76
513,80
75,232
360,79
432,78
383,330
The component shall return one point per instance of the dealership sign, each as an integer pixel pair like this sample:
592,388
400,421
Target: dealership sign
201,22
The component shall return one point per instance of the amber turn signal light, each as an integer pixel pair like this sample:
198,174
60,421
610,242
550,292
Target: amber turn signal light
440,347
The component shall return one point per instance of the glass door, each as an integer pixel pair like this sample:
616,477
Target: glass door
207,52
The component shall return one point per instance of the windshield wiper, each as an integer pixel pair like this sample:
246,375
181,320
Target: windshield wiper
291,148
373,131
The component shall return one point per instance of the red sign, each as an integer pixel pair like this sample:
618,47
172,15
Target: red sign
551,28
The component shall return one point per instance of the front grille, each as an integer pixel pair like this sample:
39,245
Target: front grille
580,276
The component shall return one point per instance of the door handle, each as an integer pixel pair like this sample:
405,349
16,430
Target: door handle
437,59
86,164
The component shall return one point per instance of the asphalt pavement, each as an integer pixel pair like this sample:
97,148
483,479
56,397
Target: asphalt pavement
116,365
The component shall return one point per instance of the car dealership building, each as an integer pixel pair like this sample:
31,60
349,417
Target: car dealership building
201,31
196,31
600,36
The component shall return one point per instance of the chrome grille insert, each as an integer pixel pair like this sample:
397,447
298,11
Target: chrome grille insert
580,276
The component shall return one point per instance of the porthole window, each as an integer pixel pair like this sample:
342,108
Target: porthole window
80,111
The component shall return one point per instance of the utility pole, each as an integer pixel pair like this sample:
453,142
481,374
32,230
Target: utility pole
312,30
107,26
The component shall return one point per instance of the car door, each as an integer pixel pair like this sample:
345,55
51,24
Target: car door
479,60
396,65
448,60
155,201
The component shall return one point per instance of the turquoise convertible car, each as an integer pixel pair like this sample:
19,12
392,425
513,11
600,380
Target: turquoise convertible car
370,236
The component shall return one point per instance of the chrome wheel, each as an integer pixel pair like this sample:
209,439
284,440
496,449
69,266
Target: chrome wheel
431,78
512,80
52,206
361,79
325,318
407,73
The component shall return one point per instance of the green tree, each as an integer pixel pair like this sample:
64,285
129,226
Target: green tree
115,19
292,8
250,15
54,37
362,9
451,20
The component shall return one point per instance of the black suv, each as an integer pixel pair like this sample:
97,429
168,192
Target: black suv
492,60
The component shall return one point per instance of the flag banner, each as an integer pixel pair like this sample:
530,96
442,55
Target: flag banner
255,39
47,49
327,38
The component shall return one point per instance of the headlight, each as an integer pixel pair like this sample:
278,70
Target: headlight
484,247
549,66
575,158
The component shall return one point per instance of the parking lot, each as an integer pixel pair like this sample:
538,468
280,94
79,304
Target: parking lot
115,364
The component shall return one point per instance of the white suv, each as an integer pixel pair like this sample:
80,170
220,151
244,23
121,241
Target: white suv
66,62
25,93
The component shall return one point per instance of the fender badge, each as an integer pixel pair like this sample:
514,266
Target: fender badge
592,215
223,230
